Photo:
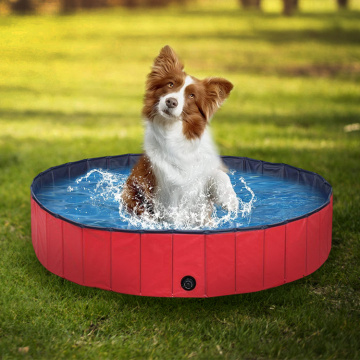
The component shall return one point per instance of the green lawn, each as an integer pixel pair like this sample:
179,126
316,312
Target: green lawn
71,87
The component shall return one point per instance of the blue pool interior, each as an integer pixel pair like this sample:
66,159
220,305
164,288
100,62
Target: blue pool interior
92,199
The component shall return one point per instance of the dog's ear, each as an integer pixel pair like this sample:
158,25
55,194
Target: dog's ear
217,91
167,60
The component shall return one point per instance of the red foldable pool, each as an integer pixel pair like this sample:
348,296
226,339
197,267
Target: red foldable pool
175,263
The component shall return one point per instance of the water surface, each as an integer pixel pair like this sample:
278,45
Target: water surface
94,199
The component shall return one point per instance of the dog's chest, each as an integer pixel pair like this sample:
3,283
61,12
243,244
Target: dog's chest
180,165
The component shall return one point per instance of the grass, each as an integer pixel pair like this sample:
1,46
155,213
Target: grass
71,87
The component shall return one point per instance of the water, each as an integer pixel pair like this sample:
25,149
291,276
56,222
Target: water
94,199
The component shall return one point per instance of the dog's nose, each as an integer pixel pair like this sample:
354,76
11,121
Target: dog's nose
171,103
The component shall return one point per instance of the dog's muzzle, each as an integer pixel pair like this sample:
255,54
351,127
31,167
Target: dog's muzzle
171,103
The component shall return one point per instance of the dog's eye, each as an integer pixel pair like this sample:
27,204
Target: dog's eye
170,84
192,96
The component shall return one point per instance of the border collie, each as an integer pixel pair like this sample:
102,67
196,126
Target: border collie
180,176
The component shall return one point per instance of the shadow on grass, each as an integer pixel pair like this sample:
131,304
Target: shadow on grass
331,36
303,121
241,14
327,36
55,116
334,33
256,304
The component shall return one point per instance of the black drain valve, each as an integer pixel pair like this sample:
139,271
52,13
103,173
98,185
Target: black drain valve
188,283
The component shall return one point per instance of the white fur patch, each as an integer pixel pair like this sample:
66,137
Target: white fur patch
179,96
185,170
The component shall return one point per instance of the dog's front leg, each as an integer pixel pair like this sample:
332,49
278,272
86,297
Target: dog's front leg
222,192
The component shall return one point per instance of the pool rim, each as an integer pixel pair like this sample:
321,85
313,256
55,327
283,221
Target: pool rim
325,183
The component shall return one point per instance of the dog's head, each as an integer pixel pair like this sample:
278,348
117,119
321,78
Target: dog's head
172,95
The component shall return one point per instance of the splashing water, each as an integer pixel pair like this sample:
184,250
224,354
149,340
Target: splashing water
104,186
95,200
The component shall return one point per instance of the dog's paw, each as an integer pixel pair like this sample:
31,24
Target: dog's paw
230,202
227,198
223,193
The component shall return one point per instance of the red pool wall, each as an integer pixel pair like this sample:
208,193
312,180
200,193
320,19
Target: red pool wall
153,264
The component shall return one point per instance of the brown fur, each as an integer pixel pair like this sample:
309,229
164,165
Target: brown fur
208,95
139,187
167,68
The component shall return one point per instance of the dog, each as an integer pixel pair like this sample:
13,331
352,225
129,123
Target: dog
180,176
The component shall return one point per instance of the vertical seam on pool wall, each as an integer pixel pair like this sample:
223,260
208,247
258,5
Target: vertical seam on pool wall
205,268
285,253
34,220
62,249
331,224
46,240
321,230
235,259
37,237
140,261
327,216
83,255
263,269
306,246
172,265
111,259
329,228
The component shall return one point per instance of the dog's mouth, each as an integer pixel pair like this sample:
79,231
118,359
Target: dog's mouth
167,113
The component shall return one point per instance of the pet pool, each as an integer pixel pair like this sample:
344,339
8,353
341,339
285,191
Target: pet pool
82,238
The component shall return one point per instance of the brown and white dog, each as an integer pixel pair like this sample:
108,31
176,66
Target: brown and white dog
180,176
